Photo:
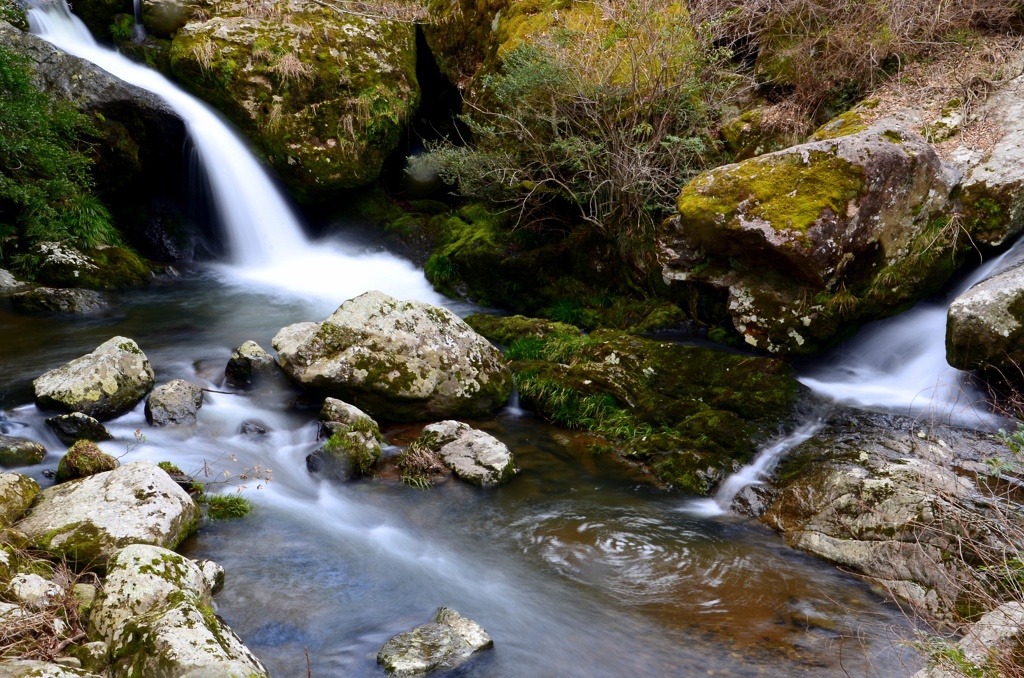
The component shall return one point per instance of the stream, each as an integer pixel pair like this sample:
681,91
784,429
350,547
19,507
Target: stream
578,567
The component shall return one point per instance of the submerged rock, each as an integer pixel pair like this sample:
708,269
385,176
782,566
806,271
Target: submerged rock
886,498
400,360
474,456
84,459
985,325
448,641
808,243
77,426
103,384
16,451
86,520
57,300
176,402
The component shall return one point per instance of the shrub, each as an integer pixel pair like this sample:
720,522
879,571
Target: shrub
45,180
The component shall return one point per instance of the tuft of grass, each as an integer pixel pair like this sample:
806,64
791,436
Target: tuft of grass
225,506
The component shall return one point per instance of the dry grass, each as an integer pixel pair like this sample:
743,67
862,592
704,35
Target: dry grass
290,68
44,634
420,466
204,51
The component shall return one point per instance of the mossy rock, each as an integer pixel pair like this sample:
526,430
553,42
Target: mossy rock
98,268
99,15
749,135
324,96
84,458
13,13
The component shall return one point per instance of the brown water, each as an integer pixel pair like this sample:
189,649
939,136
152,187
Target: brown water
578,567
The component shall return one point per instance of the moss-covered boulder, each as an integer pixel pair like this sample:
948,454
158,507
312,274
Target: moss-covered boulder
59,300
690,413
17,492
764,129
155,613
398,360
84,459
15,451
353,448
85,521
985,325
103,384
810,242
324,94
100,268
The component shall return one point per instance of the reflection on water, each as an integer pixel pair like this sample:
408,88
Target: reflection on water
576,568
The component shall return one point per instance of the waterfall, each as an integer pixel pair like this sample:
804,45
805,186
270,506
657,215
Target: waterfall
754,472
265,240
899,364
138,30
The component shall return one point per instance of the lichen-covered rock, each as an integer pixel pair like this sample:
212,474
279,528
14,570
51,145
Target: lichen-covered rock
86,520
400,360
59,300
155,614
77,426
176,402
985,325
17,492
33,591
474,456
337,415
16,451
996,635
23,668
810,242
754,133
885,498
103,384
251,366
84,459
448,641
324,94
100,268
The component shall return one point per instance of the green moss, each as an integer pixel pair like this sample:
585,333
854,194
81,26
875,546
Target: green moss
848,123
781,189
225,506
506,329
84,458
354,451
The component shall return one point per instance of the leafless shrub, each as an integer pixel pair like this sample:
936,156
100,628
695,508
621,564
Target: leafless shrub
290,67
44,634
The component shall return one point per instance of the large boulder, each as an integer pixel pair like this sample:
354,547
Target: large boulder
400,360
985,325
176,402
17,492
800,246
155,614
474,456
448,641
16,451
103,384
885,498
324,94
59,300
62,265
86,520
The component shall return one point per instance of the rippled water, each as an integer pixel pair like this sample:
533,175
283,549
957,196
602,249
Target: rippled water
577,567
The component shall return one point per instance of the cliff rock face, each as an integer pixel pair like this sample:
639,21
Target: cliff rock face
324,94
812,241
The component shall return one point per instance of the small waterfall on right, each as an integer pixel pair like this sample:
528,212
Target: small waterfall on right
899,364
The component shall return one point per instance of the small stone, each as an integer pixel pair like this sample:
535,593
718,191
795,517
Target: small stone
176,402
443,644
251,366
473,456
253,428
77,426
33,590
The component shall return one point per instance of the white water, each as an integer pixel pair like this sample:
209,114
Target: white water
266,243
899,364
753,473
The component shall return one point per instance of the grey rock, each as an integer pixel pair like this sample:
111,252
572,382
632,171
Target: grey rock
17,492
997,633
87,520
77,426
447,642
985,324
347,417
8,282
16,451
59,300
103,384
251,366
174,403
22,668
473,456
33,591
253,428
399,360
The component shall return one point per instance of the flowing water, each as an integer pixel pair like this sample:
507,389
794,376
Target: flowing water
578,567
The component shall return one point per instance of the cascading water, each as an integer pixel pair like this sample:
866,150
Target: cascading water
899,364
265,240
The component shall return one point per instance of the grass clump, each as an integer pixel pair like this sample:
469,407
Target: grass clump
46,185
226,506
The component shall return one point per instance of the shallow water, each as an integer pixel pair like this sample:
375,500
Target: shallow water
578,567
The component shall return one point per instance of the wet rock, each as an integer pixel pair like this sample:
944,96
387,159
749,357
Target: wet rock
337,415
810,242
17,492
84,459
155,614
88,519
20,452
77,426
348,454
883,497
163,18
174,403
58,300
103,384
400,360
253,428
7,281
443,644
474,456
251,366
325,95
100,268
985,325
